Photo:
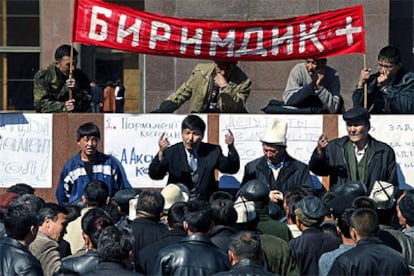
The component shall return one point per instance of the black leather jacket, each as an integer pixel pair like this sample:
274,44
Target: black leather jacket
246,267
80,264
194,255
370,257
16,259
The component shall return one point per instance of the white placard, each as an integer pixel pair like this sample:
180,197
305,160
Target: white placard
398,132
133,139
302,135
26,149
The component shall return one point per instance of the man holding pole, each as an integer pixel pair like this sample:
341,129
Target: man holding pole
60,86
390,90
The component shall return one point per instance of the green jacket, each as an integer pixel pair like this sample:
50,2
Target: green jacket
278,255
51,93
231,99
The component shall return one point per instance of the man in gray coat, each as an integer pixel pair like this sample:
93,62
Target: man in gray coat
315,85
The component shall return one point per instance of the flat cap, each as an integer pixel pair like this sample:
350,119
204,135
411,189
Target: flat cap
122,197
356,113
406,205
356,188
312,207
254,190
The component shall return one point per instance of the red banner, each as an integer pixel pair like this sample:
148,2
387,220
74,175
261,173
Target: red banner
318,35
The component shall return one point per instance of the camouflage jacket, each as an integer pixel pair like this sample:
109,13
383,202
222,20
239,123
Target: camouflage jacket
51,93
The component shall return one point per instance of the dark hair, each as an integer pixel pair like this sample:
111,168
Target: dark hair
96,193
193,122
113,210
74,212
176,215
21,189
329,227
220,195
364,202
88,129
18,220
390,54
51,211
344,222
64,51
198,215
151,204
33,202
115,244
293,196
224,212
365,222
295,192
224,64
93,223
246,245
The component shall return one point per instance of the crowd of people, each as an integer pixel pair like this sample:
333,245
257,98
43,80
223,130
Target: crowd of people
277,223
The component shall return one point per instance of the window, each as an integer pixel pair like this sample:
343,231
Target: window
19,52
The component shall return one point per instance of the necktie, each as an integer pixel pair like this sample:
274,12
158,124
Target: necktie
192,162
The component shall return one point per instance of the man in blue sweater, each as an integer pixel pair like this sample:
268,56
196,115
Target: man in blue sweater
89,165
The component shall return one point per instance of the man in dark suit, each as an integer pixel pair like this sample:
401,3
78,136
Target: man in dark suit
192,162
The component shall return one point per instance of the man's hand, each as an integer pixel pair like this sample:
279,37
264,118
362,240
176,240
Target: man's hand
70,105
363,77
163,144
275,195
71,83
319,78
322,144
220,80
229,138
383,78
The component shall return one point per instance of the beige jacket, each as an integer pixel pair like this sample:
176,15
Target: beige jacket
46,251
74,232
231,99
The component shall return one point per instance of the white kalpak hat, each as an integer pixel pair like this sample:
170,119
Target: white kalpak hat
275,133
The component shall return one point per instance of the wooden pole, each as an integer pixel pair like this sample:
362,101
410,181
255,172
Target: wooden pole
70,69
365,85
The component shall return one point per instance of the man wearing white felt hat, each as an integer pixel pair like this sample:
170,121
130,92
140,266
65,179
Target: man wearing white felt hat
276,168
